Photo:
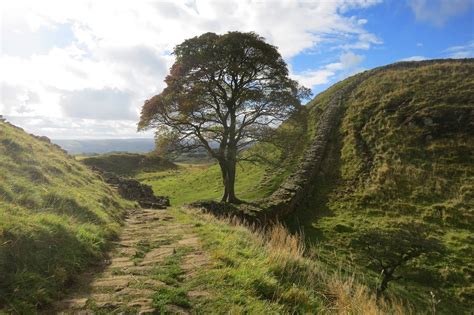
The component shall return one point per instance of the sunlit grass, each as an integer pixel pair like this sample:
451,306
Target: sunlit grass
56,218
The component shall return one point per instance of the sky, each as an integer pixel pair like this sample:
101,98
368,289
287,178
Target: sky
82,69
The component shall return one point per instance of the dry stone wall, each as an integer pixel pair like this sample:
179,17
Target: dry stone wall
296,187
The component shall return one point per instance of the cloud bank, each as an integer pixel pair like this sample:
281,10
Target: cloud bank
93,63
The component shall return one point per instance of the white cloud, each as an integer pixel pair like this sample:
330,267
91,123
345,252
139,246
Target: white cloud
461,51
348,64
105,104
437,12
68,55
414,58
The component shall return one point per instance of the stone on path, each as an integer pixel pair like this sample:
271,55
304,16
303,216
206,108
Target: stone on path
127,284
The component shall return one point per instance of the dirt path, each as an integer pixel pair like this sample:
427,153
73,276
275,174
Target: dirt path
154,256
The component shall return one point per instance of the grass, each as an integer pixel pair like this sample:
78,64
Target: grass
401,155
56,218
171,273
191,182
255,271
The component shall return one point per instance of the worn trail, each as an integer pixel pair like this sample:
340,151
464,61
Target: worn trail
133,279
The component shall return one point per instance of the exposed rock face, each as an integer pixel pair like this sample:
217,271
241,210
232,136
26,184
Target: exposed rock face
132,189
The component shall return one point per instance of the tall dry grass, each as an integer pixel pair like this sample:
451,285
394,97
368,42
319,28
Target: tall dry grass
342,292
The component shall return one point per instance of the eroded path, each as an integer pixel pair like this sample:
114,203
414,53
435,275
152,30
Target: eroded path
154,257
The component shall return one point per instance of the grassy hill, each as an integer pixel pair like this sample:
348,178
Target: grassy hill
128,164
56,219
402,152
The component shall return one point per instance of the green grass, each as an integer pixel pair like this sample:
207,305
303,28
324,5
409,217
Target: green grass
190,182
403,154
56,218
260,272
171,273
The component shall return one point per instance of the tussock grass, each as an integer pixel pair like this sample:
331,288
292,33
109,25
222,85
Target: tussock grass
402,154
269,271
56,218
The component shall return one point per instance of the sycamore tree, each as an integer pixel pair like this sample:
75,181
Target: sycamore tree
223,93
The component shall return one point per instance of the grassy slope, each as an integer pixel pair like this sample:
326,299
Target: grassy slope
128,164
56,217
260,272
404,154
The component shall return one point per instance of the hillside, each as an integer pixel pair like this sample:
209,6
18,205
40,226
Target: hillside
397,151
384,157
56,219
128,164
403,153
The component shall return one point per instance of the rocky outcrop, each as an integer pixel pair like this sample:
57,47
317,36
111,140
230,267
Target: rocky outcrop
132,189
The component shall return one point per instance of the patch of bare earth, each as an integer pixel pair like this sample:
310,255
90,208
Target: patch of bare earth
126,283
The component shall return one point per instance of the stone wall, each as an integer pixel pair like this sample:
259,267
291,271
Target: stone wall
297,186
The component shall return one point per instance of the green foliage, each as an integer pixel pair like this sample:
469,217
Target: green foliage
56,218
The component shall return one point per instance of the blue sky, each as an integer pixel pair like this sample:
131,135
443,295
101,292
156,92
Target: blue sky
83,68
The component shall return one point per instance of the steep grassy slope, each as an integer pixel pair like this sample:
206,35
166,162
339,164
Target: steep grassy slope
128,164
56,218
403,153
265,271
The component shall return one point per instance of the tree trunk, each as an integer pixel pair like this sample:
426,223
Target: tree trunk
387,276
228,170
224,180
231,182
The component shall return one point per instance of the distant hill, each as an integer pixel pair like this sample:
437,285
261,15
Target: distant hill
128,164
101,146
56,219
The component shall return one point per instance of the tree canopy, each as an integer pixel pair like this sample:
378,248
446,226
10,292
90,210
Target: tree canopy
223,93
